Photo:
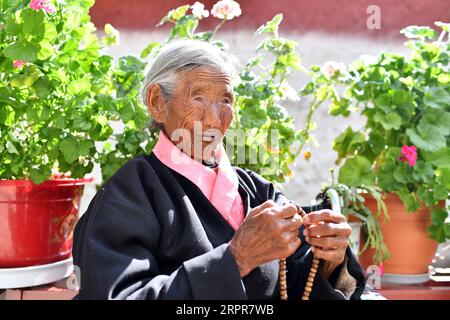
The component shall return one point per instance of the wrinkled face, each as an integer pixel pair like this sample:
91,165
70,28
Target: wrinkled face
198,113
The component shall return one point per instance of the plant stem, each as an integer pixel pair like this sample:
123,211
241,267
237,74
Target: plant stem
219,26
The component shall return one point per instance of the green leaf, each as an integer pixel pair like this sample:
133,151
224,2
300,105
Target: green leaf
439,119
438,232
440,158
322,93
50,32
423,172
271,26
440,192
12,26
22,50
179,12
45,51
389,121
86,4
42,87
385,177
443,176
174,14
33,24
81,123
427,137
22,80
437,98
11,148
69,149
340,107
356,171
438,216
112,36
347,142
40,174
384,102
76,14
149,49
59,121
404,104
409,200
426,196
403,173
417,32
78,87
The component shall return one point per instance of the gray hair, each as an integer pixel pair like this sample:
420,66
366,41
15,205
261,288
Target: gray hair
185,55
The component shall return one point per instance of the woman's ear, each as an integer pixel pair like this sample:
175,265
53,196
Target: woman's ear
156,104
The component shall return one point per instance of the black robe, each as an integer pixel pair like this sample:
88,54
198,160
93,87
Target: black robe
150,233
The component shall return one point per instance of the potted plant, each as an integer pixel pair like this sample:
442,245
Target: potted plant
59,94
402,150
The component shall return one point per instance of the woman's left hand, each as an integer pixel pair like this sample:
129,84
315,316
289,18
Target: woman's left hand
328,233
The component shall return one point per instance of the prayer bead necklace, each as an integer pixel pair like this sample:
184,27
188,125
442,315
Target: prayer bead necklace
311,275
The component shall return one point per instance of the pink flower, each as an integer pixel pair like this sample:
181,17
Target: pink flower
18,63
409,154
198,10
37,4
331,68
226,9
42,5
49,8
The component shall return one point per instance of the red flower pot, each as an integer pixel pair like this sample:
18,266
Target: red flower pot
37,221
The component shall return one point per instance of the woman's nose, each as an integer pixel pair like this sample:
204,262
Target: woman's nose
213,116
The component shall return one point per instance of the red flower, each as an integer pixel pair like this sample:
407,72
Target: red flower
409,154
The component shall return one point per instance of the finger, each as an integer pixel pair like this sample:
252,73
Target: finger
258,209
328,243
325,215
328,230
286,211
293,224
290,248
333,255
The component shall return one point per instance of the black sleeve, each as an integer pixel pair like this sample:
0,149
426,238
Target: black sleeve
115,246
299,264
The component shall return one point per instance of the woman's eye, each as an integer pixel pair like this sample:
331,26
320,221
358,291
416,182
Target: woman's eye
227,100
199,99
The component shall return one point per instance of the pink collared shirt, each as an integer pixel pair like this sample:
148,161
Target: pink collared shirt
219,185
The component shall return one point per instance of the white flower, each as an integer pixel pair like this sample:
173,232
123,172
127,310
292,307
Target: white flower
198,10
228,9
332,68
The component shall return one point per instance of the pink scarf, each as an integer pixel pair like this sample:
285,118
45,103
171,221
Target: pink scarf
220,186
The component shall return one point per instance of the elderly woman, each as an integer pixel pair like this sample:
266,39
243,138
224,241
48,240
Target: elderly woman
182,223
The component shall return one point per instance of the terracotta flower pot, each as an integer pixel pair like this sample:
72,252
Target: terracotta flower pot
37,221
405,235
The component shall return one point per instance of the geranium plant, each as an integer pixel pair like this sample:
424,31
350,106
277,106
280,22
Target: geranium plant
60,94
403,147
259,91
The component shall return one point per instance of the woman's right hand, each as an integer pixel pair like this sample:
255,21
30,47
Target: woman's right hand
268,232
